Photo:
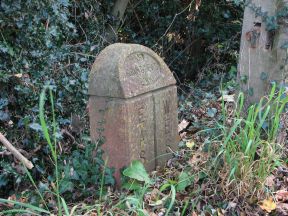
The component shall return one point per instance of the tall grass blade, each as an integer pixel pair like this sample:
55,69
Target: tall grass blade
33,182
25,205
18,211
173,196
65,207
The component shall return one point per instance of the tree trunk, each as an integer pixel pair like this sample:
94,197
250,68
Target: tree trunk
117,12
262,59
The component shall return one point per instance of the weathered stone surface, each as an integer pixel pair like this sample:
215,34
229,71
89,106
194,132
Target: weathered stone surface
128,70
133,104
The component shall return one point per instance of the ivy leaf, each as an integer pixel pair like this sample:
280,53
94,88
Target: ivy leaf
137,171
4,116
3,180
211,112
3,102
35,126
183,181
65,186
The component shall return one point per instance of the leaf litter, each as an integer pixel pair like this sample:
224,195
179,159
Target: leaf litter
201,189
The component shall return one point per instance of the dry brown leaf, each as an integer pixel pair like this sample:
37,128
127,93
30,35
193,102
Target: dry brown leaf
194,214
219,212
268,205
269,182
282,208
12,198
19,75
227,98
232,205
183,135
197,5
281,195
197,158
23,200
183,125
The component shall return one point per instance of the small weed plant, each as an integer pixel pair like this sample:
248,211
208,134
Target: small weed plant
57,187
52,143
249,149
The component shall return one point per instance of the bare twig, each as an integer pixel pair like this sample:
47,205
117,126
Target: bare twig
15,152
171,24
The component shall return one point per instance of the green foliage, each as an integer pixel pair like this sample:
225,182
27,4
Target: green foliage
52,42
184,181
30,209
85,173
250,149
55,42
191,41
137,171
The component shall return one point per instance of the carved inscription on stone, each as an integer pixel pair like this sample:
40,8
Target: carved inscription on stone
141,126
143,68
140,118
167,123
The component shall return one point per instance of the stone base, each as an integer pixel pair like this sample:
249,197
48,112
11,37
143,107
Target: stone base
138,128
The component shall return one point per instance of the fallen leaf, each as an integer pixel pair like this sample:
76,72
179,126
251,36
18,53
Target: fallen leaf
190,144
183,125
197,158
219,212
269,182
19,75
13,198
268,205
231,205
282,208
227,98
23,199
197,5
183,135
194,214
281,195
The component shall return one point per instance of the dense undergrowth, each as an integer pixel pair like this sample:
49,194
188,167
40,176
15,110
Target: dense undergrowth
226,164
228,160
55,42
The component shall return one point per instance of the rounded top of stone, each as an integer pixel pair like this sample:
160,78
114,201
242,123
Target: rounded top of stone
127,70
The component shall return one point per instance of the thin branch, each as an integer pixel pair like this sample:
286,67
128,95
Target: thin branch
171,24
15,152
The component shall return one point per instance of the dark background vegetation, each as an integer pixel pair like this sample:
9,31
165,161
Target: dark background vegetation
55,42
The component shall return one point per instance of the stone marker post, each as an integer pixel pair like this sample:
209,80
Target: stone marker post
133,104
